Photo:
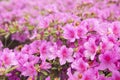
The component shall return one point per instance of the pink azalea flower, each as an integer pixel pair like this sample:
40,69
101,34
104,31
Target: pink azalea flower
116,28
103,28
51,8
48,78
65,54
26,49
34,46
36,43
30,78
106,44
34,35
22,37
45,65
87,1
112,38
79,65
79,52
70,33
74,76
81,32
107,60
52,51
8,58
104,14
91,48
29,69
33,59
44,22
21,58
90,24
90,74
43,48
116,75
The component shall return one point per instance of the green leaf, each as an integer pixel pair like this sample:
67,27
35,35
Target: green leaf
109,75
54,68
12,29
7,35
10,69
45,73
2,30
30,27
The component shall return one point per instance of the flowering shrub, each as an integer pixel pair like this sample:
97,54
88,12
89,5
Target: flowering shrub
59,40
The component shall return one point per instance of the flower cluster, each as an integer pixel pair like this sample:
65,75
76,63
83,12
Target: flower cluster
59,40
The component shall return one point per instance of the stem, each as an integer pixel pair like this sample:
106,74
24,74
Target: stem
38,76
4,78
5,41
10,43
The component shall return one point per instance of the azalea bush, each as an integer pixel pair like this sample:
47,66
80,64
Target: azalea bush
59,40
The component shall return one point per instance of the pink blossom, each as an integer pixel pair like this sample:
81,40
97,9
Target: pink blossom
74,76
91,48
22,37
65,54
26,49
79,65
79,52
43,49
90,74
87,1
22,58
106,44
107,60
52,51
8,58
116,75
44,22
45,65
70,33
68,39
81,32
48,78
29,69
90,24
103,28
116,28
